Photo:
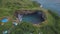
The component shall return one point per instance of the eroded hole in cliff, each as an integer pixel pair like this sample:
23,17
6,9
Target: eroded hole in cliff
30,16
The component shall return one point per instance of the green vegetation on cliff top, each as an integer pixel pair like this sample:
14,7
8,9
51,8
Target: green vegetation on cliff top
7,8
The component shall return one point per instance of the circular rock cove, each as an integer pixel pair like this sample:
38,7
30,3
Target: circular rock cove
30,16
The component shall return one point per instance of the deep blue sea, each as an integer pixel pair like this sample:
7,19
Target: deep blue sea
53,5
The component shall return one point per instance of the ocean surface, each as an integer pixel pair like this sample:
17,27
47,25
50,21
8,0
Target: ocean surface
53,5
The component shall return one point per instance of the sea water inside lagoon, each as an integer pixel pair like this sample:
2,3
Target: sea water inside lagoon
34,18
31,18
53,5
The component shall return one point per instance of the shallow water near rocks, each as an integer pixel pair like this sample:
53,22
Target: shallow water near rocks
34,18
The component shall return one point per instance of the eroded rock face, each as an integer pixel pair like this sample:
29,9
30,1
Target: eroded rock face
33,16
24,11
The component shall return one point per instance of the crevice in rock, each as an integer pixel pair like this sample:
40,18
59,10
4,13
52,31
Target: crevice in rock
33,16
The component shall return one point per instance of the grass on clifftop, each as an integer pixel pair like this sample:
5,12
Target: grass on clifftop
8,7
